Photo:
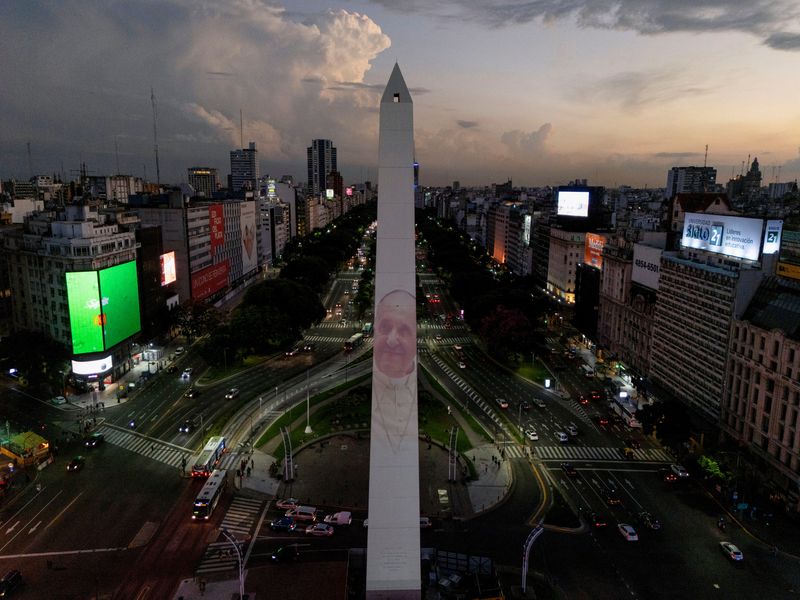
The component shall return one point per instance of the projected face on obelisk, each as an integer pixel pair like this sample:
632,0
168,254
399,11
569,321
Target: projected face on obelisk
395,345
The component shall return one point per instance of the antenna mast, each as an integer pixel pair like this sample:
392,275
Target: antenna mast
155,136
705,158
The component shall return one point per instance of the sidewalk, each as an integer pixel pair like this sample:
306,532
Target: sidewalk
494,478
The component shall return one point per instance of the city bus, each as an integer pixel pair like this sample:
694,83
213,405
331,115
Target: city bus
354,342
209,458
627,411
209,496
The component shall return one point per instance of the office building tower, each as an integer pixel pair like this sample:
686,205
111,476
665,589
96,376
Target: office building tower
244,168
321,161
204,180
690,180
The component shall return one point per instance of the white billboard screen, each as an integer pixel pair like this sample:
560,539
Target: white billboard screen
772,236
92,367
573,203
739,237
169,272
646,265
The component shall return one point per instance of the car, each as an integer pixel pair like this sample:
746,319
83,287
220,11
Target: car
179,350
192,393
282,524
572,429
539,402
187,372
288,503
308,347
611,497
347,292
10,583
628,532
76,464
58,400
186,427
595,395
602,421
635,444
569,470
668,476
439,337
597,520
525,405
462,365
94,440
343,517
292,352
649,521
562,437
319,529
731,551
679,470
502,403
583,399
457,347
531,435
285,554
232,393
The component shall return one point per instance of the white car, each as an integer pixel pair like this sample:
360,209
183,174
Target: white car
461,365
628,532
539,402
679,470
58,400
288,503
501,402
179,350
232,393
319,529
531,435
731,551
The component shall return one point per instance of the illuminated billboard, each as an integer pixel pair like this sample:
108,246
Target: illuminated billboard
772,236
789,258
206,282
573,203
348,191
216,222
92,367
329,193
169,273
103,307
593,252
739,237
646,265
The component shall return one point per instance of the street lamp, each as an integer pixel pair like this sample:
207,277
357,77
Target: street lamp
235,545
308,407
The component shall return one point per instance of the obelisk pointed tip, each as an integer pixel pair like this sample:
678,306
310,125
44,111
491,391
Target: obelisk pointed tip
396,89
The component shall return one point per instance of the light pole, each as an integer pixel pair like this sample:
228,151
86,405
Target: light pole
519,416
308,406
235,545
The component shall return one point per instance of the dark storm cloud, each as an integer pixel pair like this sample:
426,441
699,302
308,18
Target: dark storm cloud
764,18
467,124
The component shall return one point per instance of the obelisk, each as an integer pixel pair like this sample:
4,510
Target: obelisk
393,545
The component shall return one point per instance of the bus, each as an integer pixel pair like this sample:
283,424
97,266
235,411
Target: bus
367,329
210,495
354,342
627,411
209,458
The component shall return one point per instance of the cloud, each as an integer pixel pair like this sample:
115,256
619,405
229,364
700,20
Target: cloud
764,18
672,155
466,124
527,143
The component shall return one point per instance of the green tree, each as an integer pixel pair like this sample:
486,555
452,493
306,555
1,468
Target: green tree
195,318
669,420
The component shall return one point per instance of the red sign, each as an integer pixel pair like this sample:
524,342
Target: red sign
216,221
593,254
209,280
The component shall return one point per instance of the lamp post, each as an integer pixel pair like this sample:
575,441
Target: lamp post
235,545
308,406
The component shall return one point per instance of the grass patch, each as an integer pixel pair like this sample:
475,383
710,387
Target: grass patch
472,421
434,421
536,372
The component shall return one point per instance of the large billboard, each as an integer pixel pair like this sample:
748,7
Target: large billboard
739,237
247,224
593,252
216,222
93,367
772,236
789,258
103,307
169,272
573,203
209,280
646,265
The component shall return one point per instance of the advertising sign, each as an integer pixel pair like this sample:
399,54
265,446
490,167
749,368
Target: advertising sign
739,237
209,280
119,289
92,367
593,252
526,230
85,316
789,258
646,265
348,191
247,223
216,222
572,203
329,193
772,236
271,193
169,272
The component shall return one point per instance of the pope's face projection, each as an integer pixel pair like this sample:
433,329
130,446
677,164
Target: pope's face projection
395,343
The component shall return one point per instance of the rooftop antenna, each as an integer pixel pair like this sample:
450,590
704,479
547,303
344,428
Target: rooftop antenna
742,173
705,158
241,129
155,136
30,161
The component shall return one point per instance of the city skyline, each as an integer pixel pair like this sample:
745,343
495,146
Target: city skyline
542,93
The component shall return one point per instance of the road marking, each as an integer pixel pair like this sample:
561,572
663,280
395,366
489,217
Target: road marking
12,528
63,510
34,528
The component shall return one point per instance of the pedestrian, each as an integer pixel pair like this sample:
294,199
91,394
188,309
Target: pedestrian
252,464
152,448
248,471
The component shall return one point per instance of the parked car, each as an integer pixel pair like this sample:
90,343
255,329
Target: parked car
93,441
179,350
628,532
319,529
283,524
76,464
572,429
232,393
288,503
731,551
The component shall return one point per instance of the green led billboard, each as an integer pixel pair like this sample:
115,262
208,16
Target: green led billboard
85,316
103,307
120,302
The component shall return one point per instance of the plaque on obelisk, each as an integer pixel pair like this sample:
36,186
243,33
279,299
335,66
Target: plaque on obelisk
393,545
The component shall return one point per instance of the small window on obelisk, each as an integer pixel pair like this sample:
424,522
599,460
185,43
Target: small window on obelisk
396,98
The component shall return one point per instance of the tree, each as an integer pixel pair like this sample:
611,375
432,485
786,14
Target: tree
38,358
506,330
668,420
195,318
311,271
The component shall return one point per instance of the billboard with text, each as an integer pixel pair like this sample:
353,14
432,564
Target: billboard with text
593,252
210,280
216,222
739,237
646,265
789,258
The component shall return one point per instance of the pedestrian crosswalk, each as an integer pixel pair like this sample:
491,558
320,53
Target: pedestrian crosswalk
239,521
165,452
547,453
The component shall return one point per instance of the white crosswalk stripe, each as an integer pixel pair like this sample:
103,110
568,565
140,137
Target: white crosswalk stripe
595,453
239,520
164,452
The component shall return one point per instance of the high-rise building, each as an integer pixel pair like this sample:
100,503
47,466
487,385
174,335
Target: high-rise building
244,168
690,180
204,180
321,161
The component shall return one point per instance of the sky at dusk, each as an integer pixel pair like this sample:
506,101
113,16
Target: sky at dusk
539,91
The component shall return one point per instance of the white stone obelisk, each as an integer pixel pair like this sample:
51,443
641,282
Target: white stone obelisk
393,544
